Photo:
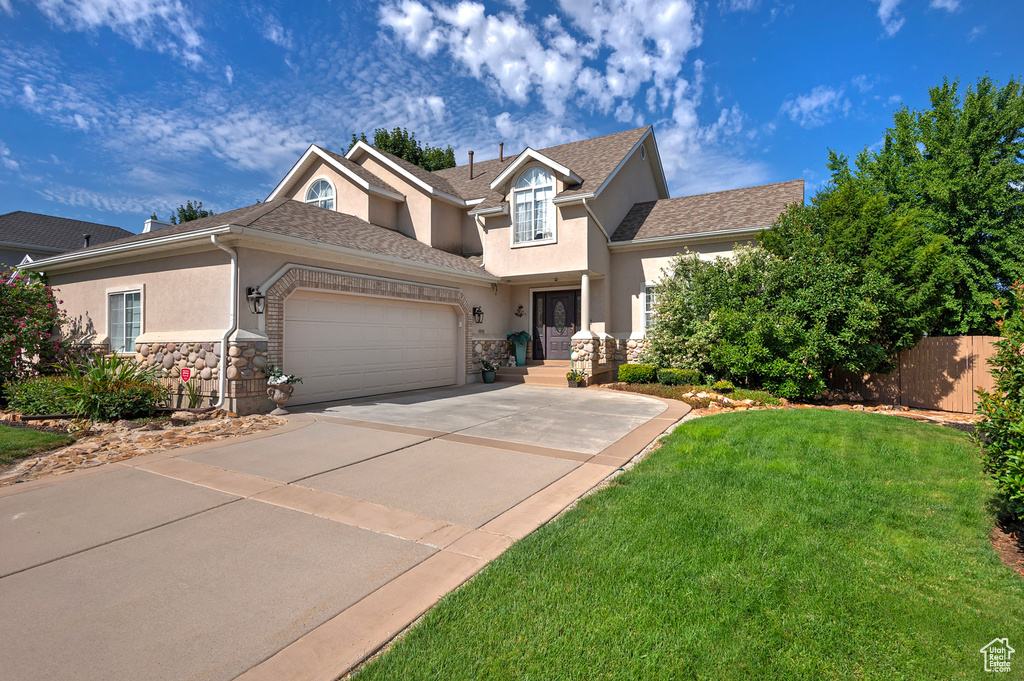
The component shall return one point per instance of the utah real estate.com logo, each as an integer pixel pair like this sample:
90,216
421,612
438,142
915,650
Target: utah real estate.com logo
997,655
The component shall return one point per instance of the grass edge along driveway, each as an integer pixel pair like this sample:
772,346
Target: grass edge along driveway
780,544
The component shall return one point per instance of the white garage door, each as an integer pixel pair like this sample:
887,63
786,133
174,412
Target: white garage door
349,346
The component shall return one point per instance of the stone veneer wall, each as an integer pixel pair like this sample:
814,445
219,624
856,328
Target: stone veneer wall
495,350
298,278
203,358
601,357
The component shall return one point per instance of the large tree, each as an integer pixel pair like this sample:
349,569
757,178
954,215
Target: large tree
960,163
405,145
187,212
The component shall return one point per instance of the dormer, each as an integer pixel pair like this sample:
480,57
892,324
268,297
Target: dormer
333,182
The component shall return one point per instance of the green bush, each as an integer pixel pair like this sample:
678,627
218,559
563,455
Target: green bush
638,373
41,396
1001,432
723,387
678,376
28,326
105,389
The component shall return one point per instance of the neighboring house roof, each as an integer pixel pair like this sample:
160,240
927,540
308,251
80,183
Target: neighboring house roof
594,160
735,209
50,233
292,218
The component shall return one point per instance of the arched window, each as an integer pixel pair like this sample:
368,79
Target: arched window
321,193
533,212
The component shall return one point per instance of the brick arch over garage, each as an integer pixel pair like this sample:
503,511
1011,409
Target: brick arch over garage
311,279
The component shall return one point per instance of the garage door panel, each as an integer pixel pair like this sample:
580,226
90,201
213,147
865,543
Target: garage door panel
348,346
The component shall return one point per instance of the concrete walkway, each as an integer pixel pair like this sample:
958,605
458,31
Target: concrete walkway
296,553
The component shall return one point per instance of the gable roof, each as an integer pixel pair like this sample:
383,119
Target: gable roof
357,174
51,233
431,182
736,209
290,218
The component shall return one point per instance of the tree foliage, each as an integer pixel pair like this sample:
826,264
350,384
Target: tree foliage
960,163
186,213
405,145
29,321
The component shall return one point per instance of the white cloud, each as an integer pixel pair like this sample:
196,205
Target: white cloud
5,158
229,73
276,33
863,83
948,5
162,25
892,22
5,7
517,60
973,34
816,108
894,99
740,5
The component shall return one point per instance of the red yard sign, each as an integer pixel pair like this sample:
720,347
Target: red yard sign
186,374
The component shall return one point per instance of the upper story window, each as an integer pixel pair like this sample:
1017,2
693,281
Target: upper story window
321,193
533,212
124,320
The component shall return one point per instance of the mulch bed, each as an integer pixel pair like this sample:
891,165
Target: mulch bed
1008,540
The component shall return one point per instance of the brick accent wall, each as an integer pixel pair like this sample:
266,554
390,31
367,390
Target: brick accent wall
297,278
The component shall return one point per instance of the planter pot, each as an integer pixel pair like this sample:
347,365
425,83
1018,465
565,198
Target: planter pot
279,394
573,384
488,376
520,354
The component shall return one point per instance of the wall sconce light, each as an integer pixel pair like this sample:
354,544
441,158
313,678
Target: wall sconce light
478,315
257,301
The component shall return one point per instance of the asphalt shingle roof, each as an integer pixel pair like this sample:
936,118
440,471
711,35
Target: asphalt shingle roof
306,221
34,229
733,209
592,159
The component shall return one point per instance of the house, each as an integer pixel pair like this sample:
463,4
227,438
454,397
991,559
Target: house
365,274
25,237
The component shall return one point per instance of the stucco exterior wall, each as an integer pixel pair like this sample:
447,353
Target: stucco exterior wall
412,216
569,252
348,198
634,183
383,212
472,235
179,293
632,270
446,227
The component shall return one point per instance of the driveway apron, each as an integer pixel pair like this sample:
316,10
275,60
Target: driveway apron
294,554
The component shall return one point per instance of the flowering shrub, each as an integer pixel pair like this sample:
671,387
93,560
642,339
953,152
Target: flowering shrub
277,377
29,320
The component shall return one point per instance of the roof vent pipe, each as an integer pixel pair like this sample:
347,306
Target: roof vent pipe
501,152
86,237
471,165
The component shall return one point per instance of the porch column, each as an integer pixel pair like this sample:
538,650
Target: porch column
585,304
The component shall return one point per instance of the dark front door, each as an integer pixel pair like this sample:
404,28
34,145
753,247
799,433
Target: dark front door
555,313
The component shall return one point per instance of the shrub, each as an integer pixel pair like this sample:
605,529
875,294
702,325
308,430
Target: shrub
678,377
111,388
27,326
638,373
1001,431
723,386
41,396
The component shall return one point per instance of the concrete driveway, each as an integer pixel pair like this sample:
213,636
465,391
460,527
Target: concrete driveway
296,553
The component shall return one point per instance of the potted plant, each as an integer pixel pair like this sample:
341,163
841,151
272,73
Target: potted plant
280,387
489,370
575,378
519,340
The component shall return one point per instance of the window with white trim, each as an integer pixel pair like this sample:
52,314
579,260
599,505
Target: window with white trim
650,305
124,320
321,193
533,213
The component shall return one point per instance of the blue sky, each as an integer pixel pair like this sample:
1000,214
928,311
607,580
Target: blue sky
111,109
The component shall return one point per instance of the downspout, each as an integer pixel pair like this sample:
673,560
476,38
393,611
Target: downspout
232,320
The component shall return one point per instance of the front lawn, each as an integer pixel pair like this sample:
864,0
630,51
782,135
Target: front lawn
774,544
17,443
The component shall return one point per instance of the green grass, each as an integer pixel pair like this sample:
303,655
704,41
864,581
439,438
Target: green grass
781,544
17,443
